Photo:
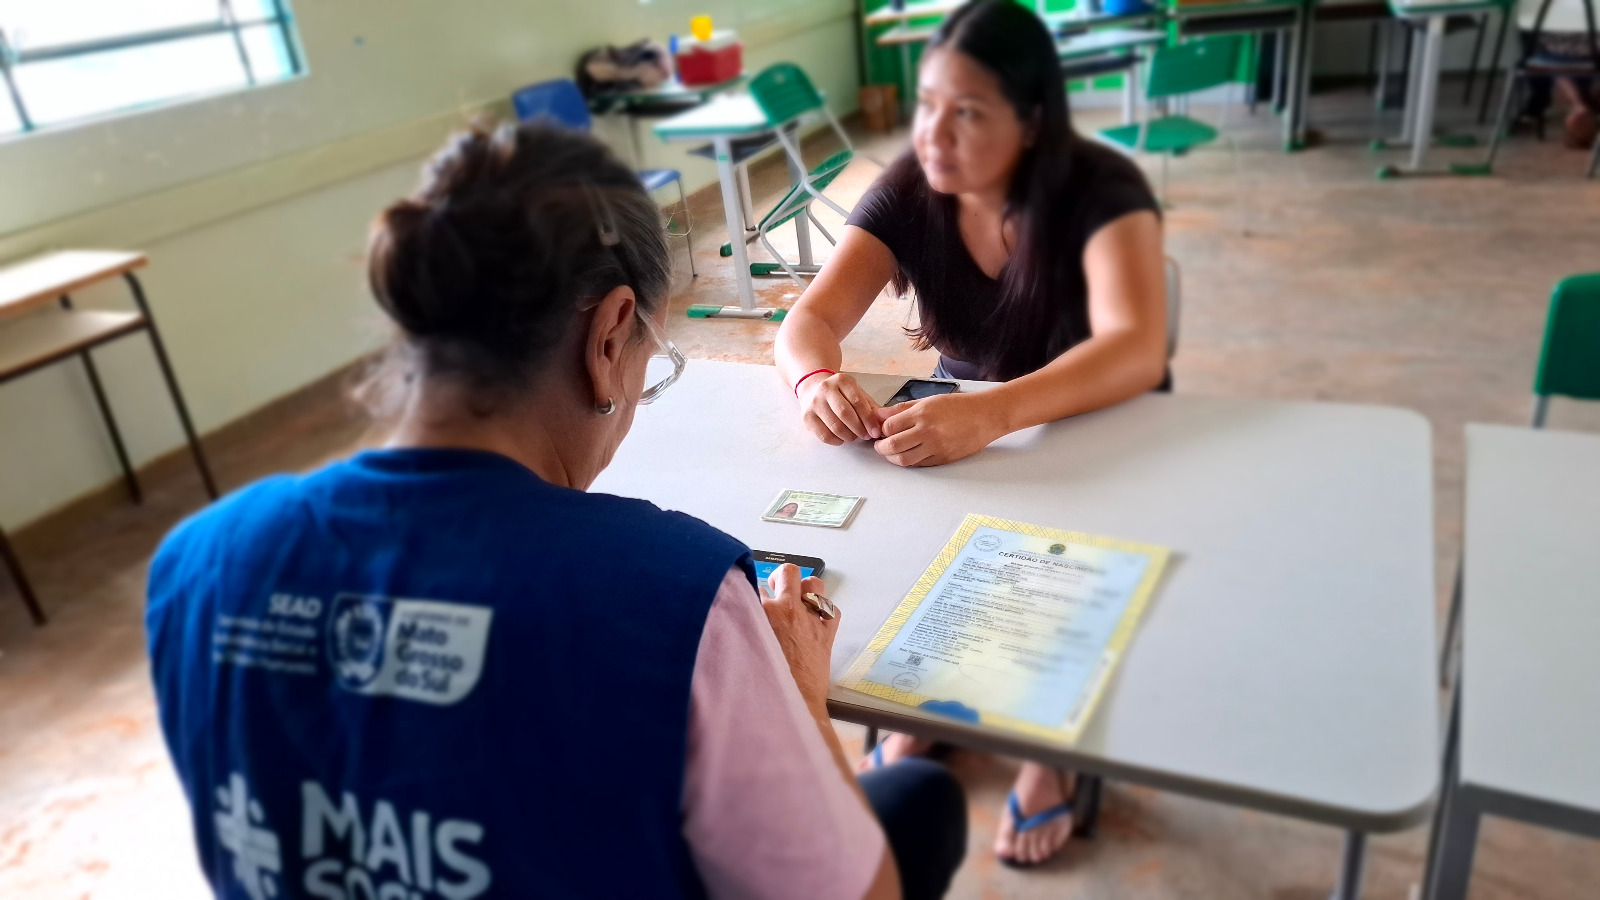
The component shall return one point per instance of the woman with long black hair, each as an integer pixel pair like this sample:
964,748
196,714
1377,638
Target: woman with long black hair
1036,259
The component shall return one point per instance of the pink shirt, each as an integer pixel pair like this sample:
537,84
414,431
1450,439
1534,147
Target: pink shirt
766,811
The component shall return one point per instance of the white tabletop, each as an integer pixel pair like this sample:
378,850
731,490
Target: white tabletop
1286,661
725,115
1530,714
1406,9
886,13
907,34
1107,41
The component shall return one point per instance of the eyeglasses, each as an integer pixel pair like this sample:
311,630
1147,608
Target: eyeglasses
664,368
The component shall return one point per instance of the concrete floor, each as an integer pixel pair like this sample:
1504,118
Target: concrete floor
1303,278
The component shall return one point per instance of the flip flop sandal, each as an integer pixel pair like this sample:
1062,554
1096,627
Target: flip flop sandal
1028,823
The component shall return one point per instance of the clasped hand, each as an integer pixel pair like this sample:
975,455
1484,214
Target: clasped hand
928,432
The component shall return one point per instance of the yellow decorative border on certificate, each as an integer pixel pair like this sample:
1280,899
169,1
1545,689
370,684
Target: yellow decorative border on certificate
1116,648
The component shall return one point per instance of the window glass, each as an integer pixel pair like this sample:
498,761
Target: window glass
64,89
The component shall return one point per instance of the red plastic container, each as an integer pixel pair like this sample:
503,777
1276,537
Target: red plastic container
710,62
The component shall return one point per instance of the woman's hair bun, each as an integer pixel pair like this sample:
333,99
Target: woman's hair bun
487,265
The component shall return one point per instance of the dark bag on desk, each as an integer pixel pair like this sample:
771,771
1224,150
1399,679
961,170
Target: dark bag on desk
614,69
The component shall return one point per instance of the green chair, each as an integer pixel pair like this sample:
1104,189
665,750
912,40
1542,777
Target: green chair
1569,366
1175,71
787,98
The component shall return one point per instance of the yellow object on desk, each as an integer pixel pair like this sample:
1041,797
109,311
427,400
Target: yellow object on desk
1013,625
700,27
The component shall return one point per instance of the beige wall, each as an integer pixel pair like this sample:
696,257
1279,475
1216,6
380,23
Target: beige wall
253,206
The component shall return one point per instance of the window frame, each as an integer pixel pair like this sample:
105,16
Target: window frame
227,23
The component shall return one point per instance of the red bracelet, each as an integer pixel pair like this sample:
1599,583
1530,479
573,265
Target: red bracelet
808,375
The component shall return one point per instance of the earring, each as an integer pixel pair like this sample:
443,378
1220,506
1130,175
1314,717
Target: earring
608,409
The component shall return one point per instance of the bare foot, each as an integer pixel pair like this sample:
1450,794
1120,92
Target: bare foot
895,747
1038,789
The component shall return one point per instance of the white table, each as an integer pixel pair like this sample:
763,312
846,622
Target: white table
1422,90
1077,47
1525,733
722,120
1286,663
1120,47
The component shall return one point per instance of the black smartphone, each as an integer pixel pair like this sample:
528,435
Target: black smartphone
919,388
766,562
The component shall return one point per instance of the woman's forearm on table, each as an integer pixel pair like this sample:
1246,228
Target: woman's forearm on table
1100,372
805,344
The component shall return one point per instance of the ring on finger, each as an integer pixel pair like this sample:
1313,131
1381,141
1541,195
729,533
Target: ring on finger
820,605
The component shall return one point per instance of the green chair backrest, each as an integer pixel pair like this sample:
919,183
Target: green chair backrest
783,91
1193,66
1569,364
798,198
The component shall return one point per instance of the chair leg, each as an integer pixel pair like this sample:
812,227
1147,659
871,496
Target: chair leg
128,477
1477,52
1503,120
784,263
1494,66
1594,158
688,228
24,588
818,226
195,449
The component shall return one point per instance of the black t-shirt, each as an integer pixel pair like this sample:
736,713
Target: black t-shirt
1103,187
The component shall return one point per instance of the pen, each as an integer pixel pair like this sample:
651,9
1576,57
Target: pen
820,605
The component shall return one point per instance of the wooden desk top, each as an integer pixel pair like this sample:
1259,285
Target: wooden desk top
33,282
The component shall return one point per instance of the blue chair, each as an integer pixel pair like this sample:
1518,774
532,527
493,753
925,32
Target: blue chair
561,102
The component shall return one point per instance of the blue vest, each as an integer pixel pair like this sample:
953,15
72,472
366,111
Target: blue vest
426,674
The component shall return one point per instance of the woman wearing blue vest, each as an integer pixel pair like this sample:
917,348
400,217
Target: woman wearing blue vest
403,676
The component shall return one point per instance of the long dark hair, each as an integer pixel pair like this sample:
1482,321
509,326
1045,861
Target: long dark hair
1026,325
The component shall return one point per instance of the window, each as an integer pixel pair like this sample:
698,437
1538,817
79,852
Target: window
62,60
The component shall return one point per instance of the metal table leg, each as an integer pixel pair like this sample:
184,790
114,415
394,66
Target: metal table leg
1280,46
129,479
741,261
1352,866
1454,837
1299,112
1451,868
1413,76
14,565
1427,93
195,449
1292,84
1381,35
